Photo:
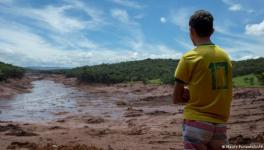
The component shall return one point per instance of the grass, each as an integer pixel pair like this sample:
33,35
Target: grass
241,81
155,81
246,81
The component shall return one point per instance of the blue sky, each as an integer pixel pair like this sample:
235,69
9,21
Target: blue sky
69,33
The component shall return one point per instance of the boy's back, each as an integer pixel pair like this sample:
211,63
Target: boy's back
207,70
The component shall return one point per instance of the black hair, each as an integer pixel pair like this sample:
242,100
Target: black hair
202,22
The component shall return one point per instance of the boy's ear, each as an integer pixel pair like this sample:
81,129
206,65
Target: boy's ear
192,31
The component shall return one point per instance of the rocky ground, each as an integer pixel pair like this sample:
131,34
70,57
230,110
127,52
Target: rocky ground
132,117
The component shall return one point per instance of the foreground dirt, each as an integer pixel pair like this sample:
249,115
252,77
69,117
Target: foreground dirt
132,117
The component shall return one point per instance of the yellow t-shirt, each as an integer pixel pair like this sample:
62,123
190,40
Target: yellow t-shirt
207,70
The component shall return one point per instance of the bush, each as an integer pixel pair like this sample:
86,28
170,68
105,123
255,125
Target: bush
10,71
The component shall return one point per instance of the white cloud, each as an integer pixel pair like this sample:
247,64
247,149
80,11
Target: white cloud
55,17
242,48
154,51
180,17
96,14
233,6
21,47
60,39
185,44
163,19
255,29
128,3
121,15
248,57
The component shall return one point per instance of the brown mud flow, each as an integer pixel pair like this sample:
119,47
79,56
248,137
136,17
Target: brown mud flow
60,114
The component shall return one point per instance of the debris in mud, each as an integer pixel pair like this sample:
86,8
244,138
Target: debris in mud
60,113
15,130
131,112
167,134
121,103
154,98
259,138
247,94
94,120
24,145
135,131
157,112
110,148
158,142
49,146
21,132
175,121
61,120
257,100
8,127
131,122
98,132
139,130
240,139
55,127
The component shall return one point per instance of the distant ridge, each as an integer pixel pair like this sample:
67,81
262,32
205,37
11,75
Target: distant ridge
150,70
47,68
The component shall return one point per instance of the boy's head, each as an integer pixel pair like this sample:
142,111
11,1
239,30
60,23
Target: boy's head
201,25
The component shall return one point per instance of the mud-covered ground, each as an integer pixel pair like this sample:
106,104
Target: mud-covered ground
126,116
12,87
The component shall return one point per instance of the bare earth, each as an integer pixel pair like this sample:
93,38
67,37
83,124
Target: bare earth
12,87
126,117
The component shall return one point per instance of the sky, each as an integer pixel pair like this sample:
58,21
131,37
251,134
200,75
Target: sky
70,33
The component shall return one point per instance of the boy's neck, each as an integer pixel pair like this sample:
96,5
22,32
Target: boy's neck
203,41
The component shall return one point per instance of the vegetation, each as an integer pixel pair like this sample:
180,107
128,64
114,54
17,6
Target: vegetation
159,71
10,71
249,66
146,71
250,80
246,73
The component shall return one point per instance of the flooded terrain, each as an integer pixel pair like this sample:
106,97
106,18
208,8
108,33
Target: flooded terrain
46,99
60,113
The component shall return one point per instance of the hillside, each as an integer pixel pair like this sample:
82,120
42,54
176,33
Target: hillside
153,71
250,80
10,71
250,66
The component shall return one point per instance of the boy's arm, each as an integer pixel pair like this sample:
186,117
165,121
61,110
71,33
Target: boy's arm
180,94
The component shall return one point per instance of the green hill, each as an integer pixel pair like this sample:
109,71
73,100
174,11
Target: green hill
10,71
157,71
143,70
250,80
250,66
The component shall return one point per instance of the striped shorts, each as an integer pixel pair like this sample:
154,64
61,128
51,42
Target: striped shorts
200,135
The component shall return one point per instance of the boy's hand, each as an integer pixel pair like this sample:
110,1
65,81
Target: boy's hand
186,94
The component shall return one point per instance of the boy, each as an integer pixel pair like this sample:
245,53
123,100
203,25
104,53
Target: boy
207,70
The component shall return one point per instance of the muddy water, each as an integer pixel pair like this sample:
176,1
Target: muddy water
47,98
50,101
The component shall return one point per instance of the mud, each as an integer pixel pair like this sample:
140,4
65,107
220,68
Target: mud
124,117
12,87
